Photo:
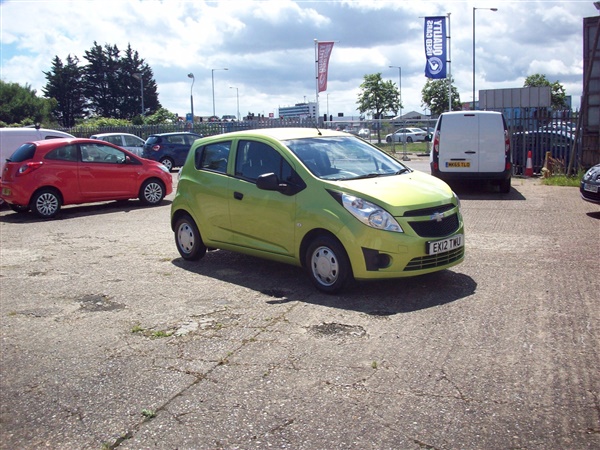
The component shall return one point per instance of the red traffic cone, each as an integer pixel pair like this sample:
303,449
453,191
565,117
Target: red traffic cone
529,166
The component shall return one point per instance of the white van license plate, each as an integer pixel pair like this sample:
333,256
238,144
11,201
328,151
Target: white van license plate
590,187
459,164
445,245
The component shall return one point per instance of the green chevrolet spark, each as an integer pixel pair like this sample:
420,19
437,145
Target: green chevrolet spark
324,200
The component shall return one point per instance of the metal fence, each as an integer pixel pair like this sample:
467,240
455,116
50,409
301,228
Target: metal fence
538,135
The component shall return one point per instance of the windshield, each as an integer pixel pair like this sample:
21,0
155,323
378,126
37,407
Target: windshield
344,158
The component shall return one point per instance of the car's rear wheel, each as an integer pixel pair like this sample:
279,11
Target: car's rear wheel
45,203
505,186
188,240
168,163
328,264
152,192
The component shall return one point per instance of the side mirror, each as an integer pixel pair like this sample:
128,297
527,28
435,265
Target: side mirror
268,182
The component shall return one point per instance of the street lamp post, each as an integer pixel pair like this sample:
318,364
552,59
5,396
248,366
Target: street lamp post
213,86
405,155
191,75
490,9
237,95
138,76
399,84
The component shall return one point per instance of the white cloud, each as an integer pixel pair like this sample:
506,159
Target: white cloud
269,50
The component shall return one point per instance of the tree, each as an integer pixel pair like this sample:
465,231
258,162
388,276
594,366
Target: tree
558,96
66,87
131,99
109,84
378,97
434,96
20,105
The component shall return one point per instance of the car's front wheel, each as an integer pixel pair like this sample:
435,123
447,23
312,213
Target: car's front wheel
388,139
152,192
328,264
45,203
409,139
188,240
167,162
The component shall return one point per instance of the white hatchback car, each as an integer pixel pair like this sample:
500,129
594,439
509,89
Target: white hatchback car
127,141
407,135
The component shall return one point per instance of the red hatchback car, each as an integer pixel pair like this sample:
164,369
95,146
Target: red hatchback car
44,175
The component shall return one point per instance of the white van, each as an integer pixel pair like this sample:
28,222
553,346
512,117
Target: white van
12,138
472,145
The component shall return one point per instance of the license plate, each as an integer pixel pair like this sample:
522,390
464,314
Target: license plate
590,187
458,164
445,245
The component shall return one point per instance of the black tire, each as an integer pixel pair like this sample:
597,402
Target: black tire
505,186
168,163
19,209
388,140
328,264
409,140
188,240
152,192
45,203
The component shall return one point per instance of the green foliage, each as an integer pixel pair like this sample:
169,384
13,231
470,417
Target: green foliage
558,95
65,86
434,96
20,106
161,116
107,122
378,96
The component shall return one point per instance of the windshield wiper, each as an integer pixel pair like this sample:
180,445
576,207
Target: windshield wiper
406,169
368,175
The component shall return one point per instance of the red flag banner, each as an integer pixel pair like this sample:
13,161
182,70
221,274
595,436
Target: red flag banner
324,51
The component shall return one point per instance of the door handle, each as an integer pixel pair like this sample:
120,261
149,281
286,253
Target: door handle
470,152
238,195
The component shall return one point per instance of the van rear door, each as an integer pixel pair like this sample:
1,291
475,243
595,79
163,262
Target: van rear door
492,155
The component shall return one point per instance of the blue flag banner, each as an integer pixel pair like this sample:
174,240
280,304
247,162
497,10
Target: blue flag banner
435,47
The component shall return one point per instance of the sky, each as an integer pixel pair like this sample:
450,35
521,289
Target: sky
268,47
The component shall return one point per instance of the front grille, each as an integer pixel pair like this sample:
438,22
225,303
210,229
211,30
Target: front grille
433,228
432,261
429,211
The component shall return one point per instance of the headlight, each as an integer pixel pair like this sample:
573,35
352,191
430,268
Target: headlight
370,214
164,168
457,200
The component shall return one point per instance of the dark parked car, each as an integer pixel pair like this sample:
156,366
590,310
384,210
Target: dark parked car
170,149
590,185
558,143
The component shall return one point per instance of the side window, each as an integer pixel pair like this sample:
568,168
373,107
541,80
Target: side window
114,140
100,153
255,158
66,153
130,141
213,157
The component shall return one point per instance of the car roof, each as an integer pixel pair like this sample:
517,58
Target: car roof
282,134
111,134
175,133
42,144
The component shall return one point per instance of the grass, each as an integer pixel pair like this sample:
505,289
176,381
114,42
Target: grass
563,180
412,148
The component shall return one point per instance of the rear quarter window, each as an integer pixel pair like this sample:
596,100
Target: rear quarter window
23,153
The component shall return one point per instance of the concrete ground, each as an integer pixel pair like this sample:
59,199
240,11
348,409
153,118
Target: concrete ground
110,340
